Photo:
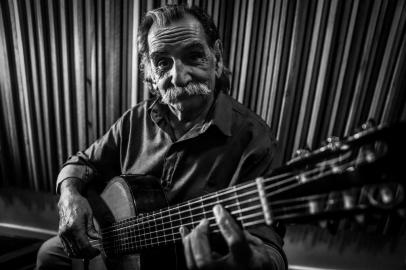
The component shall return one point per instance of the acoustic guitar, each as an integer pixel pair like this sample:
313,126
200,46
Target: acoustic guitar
359,174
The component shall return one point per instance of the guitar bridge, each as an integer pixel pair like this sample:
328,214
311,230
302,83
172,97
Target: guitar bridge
264,201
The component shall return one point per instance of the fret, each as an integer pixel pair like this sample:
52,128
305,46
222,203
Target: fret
217,197
147,227
160,227
142,231
197,211
137,234
180,216
126,245
190,213
153,228
174,223
264,202
202,206
186,218
123,239
176,217
116,243
132,236
237,201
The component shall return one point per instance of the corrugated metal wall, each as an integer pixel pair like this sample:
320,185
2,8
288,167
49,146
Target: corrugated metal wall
311,69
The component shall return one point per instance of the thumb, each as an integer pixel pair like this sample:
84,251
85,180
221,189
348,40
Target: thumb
90,228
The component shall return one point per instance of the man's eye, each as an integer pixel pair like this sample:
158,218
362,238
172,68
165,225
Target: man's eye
163,63
195,56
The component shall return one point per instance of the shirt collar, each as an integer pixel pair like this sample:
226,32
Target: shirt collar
221,115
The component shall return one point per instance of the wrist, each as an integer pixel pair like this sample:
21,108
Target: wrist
71,186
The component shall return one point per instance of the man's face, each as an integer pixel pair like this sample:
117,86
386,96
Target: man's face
183,67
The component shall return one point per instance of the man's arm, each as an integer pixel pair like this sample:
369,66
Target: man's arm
75,214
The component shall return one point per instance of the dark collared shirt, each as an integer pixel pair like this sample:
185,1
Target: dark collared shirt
233,145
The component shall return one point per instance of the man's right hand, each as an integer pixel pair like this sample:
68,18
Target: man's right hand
76,224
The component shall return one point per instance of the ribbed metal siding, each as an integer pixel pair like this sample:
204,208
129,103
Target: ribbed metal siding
311,69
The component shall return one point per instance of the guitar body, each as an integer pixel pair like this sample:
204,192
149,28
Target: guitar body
125,197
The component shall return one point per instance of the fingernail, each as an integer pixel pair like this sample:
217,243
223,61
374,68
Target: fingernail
182,231
204,225
217,210
203,222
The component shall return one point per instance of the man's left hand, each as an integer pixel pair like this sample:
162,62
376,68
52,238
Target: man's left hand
245,250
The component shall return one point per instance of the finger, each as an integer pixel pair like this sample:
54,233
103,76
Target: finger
84,249
75,237
232,234
190,263
200,244
91,230
93,234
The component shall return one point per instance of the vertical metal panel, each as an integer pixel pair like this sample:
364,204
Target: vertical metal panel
291,90
90,69
310,69
36,93
66,77
23,124
11,148
389,59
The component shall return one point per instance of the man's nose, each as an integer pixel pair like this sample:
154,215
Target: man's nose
180,74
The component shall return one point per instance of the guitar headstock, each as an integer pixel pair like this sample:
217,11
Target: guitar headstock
362,173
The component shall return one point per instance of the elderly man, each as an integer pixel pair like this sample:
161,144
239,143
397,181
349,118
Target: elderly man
192,136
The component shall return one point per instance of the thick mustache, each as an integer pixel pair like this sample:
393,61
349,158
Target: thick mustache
173,93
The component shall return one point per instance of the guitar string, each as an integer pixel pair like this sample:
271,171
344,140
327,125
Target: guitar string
198,200
148,219
132,245
285,209
275,210
216,195
193,201
303,178
204,213
193,222
149,222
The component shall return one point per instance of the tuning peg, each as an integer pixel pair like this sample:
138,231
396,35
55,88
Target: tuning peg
301,153
369,124
333,142
298,155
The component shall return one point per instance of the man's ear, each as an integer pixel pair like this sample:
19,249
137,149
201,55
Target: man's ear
218,53
149,77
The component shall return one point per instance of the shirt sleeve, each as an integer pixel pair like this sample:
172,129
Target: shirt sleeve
100,161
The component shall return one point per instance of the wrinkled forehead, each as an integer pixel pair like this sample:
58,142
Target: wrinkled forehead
177,34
